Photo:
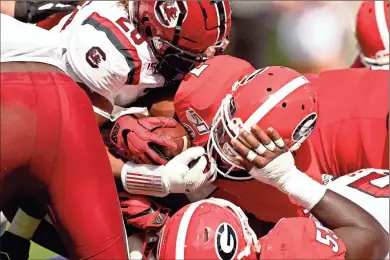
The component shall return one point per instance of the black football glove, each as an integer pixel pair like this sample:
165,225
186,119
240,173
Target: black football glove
33,11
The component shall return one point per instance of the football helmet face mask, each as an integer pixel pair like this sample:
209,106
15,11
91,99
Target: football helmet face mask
372,33
209,229
183,34
275,97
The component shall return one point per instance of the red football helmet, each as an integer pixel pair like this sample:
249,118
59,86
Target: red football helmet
372,33
208,229
275,97
183,33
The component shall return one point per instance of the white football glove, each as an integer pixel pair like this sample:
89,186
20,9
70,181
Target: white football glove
175,177
180,178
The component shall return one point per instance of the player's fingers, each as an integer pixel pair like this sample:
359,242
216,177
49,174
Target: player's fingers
154,122
132,150
153,138
263,137
247,153
252,143
276,138
244,162
167,122
155,157
144,159
190,154
123,196
249,139
201,164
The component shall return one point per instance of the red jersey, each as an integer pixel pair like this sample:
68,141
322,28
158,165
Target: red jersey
196,103
351,132
201,92
301,238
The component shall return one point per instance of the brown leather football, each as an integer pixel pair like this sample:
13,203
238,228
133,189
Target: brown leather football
178,135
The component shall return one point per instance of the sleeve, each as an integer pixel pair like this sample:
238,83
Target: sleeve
301,238
98,56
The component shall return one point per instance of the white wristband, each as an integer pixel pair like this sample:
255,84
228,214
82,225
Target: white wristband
301,188
143,179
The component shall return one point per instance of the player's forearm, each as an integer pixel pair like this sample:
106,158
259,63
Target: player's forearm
116,165
344,213
360,231
7,7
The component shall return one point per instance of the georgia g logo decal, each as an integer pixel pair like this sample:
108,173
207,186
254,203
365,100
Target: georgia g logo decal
226,242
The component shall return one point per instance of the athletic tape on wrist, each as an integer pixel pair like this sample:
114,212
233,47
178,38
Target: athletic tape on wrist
301,188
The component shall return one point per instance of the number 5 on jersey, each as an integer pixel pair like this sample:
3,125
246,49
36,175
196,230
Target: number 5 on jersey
326,237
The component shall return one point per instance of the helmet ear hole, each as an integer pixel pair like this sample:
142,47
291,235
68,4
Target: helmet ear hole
206,235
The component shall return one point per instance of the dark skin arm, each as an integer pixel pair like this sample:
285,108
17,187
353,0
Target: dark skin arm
361,233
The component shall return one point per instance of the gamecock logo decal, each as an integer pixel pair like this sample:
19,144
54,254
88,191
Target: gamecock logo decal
167,12
95,56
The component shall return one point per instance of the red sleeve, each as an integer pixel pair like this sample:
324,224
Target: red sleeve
52,21
301,238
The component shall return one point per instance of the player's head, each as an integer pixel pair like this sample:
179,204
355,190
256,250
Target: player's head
372,33
184,33
208,229
275,97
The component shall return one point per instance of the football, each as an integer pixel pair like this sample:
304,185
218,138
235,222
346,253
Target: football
176,134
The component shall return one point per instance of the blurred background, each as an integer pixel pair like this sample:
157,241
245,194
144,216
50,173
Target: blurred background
308,36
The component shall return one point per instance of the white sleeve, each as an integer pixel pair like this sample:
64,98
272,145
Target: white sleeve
96,61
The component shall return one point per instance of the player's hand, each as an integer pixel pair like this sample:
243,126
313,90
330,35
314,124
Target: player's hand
33,11
132,137
142,212
264,155
179,177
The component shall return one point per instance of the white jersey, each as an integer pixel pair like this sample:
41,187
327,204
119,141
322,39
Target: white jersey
29,43
368,188
106,53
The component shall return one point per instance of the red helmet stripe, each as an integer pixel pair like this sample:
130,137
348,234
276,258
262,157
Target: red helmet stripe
274,100
183,228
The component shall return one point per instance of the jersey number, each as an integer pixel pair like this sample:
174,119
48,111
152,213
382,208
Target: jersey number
326,237
373,184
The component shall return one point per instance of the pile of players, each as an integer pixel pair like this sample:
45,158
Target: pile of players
303,156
